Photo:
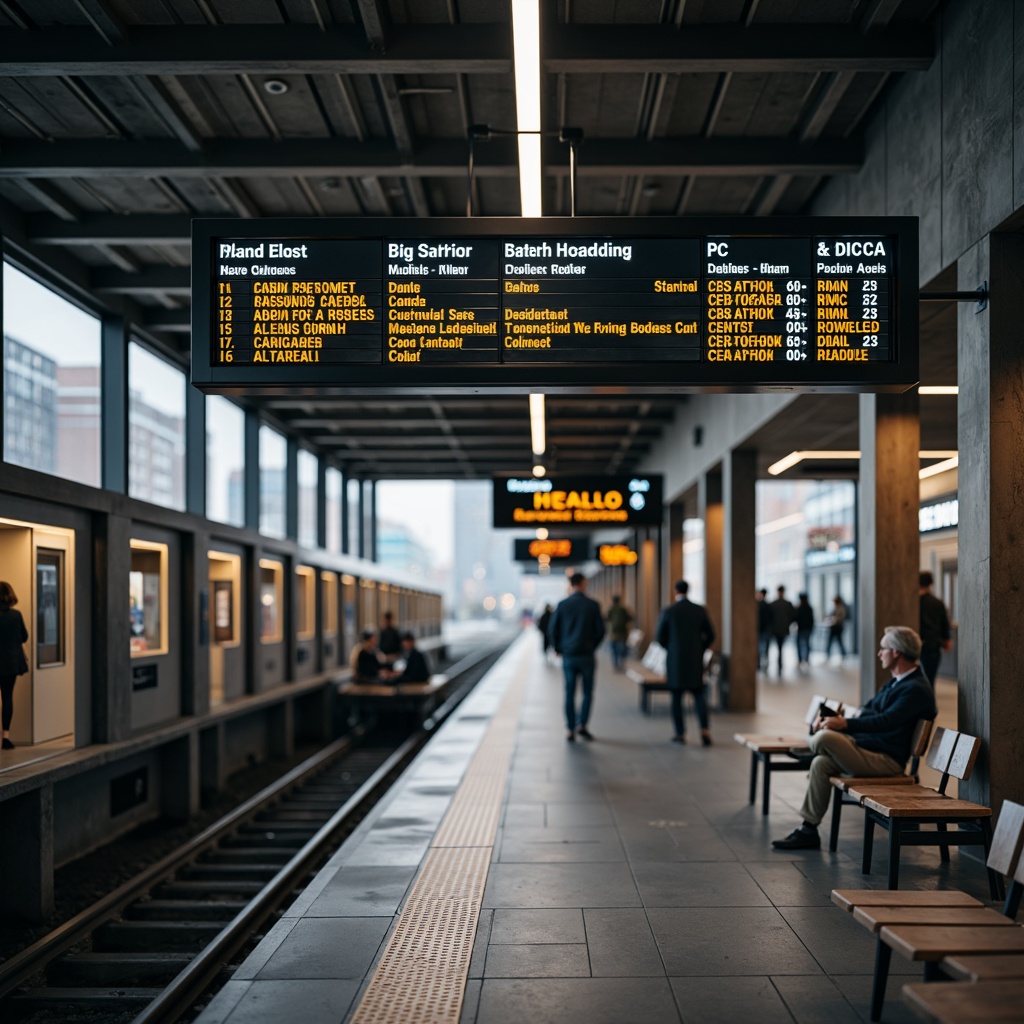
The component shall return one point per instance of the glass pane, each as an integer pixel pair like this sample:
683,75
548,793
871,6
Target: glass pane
273,459
308,470
353,516
225,461
51,382
156,429
49,607
333,487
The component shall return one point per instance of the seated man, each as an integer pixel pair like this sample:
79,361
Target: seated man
877,742
416,669
365,663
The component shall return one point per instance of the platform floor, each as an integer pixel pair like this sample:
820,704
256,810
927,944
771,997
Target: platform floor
629,879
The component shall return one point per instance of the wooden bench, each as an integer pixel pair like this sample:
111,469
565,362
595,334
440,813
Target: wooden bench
420,698
649,675
928,926
967,1004
772,752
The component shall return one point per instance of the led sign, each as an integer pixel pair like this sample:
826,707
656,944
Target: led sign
943,514
616,554
577,501
508,305
562,549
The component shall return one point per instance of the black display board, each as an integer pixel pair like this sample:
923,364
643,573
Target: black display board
580,501
505,305
554,549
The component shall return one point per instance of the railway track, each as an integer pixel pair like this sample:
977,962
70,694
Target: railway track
153,948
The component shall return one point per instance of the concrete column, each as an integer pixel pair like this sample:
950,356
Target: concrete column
26,856
345,527
251,477
888,542
195,633
711,510
738,628
195,452
990,597
674,548
321,503
649,596
291,491
111,653
114,404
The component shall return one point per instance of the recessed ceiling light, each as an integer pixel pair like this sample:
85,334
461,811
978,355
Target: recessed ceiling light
275,86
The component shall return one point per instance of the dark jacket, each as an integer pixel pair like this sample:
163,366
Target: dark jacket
12,635
577,626
783,615
764,617
416,669
365,666
804,618
935,628
685,631
886,723
389,641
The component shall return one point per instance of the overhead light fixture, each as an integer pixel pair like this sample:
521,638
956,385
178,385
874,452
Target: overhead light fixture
538,441
779,524
938,389
939,467
275,86
539,471
794,458
526,51
542,533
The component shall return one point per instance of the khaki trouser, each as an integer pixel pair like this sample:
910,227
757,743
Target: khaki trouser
837,754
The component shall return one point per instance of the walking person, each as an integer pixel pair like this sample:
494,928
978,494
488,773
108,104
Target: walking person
12,656
936,632
804,627
576,629
542,624
783,615
764,629
619,620
836,625
685,631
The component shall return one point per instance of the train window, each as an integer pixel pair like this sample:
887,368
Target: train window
348,607
368,604
329,602
225,588
49,607
308,471
147,595
332,482
271,599
273,485
305,609
225,460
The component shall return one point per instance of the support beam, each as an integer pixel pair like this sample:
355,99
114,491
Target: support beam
249,158
170,280
739,626
711,510
462,49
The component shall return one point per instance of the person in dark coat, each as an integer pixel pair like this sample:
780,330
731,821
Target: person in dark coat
12,655
685,631
543,623
577,627
783,616
936,632
416,669
764,629
365,661
804,628
389,642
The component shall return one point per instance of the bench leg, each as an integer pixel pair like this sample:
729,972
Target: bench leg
995,879
766,784
883,957
837,810
869,842
753,776
894,853
943,850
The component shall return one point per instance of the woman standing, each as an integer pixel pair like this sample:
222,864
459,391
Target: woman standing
12,655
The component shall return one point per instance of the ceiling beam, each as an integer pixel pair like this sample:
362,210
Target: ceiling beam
111,229
462,49
170,280
241,158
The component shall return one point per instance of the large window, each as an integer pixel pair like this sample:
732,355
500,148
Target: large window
308,471
334,498
51,382
156,429
273,460
225,461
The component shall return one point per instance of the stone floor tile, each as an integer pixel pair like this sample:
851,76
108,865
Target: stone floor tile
728,941
697,884
470,1002
363,891
857,990
621,944
815,1000
839,946
335,947
787,886
561,844
524,815
526,927
583,813
322,1001
545,960
478,958
560,885
728,1000
594,1000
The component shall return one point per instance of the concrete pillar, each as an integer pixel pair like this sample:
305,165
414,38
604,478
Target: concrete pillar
711,510
674,548
111,653
26,856
649,590
888,542
114,404
990,597
738,628
195,633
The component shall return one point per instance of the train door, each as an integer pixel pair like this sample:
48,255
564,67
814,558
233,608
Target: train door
38,562
225,631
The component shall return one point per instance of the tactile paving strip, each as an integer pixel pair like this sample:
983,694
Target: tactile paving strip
422,973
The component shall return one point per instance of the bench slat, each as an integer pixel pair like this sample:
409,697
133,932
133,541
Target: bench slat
979,968
925,808
874,918
846,782
967,1004
848,899
932,943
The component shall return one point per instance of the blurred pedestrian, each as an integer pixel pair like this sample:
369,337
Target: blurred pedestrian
577,627
936,632
13,662
764,629
836,626
804,627
389,641
783,616
416,669
543,623
619,620
685,631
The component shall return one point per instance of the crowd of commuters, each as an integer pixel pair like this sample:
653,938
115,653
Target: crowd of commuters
388,655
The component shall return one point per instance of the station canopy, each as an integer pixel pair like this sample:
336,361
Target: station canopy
120,122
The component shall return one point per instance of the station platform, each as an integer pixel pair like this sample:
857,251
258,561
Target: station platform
512,876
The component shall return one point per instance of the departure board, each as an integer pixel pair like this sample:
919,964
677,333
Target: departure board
560,304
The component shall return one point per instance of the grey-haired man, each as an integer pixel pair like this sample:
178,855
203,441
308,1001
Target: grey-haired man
876,742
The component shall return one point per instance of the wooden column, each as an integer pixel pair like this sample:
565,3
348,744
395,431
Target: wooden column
738,628
712,511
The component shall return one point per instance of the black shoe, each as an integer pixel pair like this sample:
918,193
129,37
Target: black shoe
799,839
584,732
705,738
802,754
571,736
7,744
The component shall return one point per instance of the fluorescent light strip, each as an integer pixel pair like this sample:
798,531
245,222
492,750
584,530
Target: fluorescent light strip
938,389
939,467
526,50
779,524
794,458
537,425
